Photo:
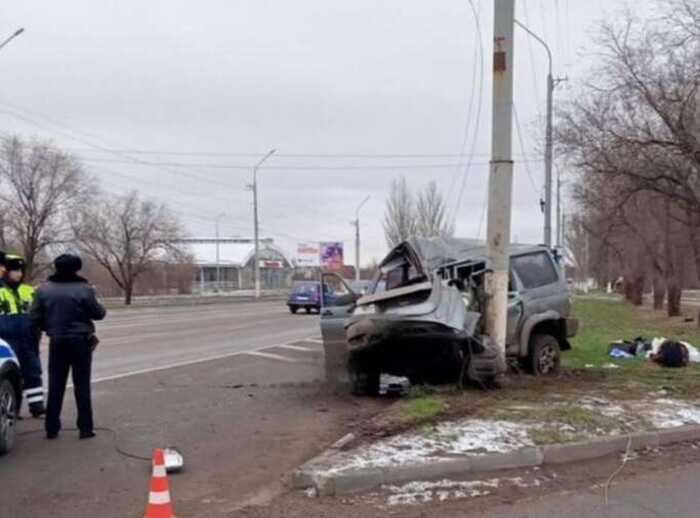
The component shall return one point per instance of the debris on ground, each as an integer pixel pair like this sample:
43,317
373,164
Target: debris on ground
668,353
393,385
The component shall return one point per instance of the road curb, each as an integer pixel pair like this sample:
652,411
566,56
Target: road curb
318,472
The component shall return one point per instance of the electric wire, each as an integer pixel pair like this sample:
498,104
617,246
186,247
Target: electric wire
115,438
535,75
522,146
475,135
468,121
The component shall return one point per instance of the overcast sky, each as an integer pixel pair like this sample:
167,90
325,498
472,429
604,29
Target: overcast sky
189,95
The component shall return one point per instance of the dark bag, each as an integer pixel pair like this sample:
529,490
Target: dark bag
93,342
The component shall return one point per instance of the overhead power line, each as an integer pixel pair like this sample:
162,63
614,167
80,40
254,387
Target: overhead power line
348,155
522,147
475,135
309,167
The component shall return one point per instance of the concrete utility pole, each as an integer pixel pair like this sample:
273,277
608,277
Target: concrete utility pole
548,148
12,37
356,222
256,230
500,178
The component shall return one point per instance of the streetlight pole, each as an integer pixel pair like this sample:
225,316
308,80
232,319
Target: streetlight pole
500,179
548,150
256,230
356,222
12,37
559,233
218,258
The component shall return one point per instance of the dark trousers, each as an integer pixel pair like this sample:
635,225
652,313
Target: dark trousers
74,354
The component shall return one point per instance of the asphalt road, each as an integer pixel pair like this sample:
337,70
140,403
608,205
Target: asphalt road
236,388
147,339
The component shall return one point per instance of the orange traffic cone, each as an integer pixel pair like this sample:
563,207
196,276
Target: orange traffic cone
159,495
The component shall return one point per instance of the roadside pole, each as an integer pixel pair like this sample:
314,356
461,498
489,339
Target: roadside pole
218,258
500,178
256,230
559,234
357,249
548,161
357,238
549,137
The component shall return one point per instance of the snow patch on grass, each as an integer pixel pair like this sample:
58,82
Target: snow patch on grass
669,413
444,441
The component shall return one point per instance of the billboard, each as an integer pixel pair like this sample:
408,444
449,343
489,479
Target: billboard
308,255
332,255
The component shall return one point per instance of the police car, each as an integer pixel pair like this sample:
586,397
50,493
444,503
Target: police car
10,390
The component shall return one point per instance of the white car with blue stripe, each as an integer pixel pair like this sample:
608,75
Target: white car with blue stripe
10,393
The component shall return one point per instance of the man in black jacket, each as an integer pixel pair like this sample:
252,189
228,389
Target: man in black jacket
65,308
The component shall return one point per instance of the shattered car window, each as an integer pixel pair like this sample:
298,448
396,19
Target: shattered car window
535,270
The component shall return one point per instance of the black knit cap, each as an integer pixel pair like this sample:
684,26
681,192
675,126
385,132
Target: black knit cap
68,263
13,263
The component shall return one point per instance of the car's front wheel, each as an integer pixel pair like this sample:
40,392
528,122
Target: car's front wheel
8,415
293,310
545,355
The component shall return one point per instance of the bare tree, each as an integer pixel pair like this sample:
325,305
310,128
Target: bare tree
126,235
41,188
400,221
634,136
431,213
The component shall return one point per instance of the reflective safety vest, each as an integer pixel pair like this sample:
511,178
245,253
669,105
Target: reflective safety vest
16,301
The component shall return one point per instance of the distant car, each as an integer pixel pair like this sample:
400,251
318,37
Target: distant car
10,391
305,295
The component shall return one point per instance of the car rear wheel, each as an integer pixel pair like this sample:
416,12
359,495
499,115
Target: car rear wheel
8,415
293,309
308,310
545,355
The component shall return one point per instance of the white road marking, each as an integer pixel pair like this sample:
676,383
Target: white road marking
271,356
296,348
314,340
177,364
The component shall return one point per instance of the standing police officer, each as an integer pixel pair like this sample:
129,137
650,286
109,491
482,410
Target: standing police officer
16,298
65,308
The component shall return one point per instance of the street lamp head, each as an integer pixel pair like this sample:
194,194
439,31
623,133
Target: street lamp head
19,31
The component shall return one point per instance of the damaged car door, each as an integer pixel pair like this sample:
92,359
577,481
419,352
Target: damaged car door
337,304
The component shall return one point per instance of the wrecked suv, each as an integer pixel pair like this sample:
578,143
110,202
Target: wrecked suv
426,323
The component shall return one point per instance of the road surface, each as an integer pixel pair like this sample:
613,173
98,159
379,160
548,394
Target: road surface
235,387
148,339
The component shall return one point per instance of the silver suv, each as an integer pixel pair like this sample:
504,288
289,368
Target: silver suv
427,321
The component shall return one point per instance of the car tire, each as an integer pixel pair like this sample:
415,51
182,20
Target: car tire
364,377
545,355
8,415
308,310
293,310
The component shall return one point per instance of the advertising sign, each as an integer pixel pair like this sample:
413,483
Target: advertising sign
308,255
332,255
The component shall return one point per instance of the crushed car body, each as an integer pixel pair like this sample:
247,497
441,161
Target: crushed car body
427,321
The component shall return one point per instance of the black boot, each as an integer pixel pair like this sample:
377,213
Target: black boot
37,409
